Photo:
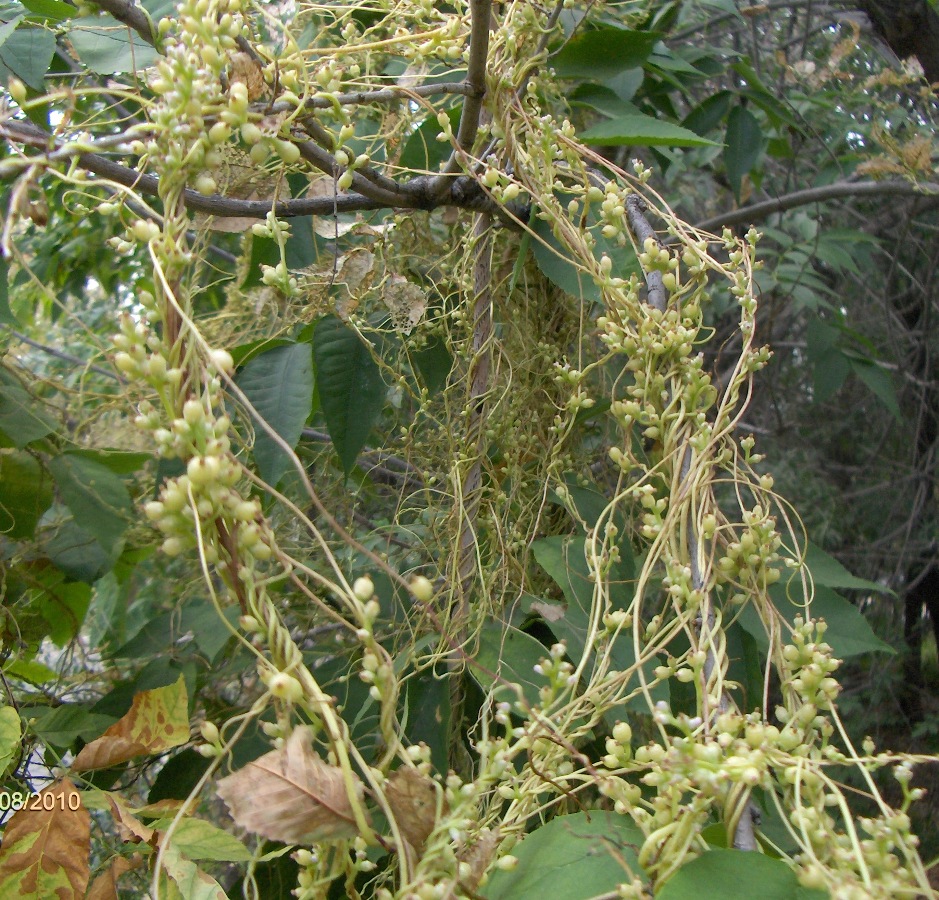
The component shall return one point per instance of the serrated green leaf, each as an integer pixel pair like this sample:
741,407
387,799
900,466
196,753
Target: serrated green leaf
350,387
109,47
735,875
96,497
10,733
279,384
25,494
27,54
642,131
575,857
604,52
744,146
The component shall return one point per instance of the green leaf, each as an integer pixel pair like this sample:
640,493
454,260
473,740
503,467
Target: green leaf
564,560
64,606
210,634
22,419
96,497
10,734
244,353
203,840
25,494
53,10
61,726
30,671
27,54
178,777
708,114
75,551
744,140
603,99
506,654
426,707
350,387
575,857
736,875
109,47
279,384
879,382
423,152
829,572
642,131
434,362
560,269
848,631
607,51
6,314
186,878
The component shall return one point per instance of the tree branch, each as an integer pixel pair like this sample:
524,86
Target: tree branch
463,193
132,16
758,211
640,227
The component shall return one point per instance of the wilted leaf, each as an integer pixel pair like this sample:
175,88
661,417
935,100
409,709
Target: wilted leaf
353,278
412,797
104,887
406,301
291,795
246,69
158,720
45,851
129,828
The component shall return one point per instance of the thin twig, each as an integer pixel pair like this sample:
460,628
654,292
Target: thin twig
65,357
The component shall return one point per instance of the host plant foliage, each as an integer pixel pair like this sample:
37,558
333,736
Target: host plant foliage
559,594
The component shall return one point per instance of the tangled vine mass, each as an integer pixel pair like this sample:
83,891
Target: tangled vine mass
562,524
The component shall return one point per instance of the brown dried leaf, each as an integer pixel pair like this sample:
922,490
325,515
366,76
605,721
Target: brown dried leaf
412,797
129,828
104,887
355,273
406,301
550,612
246,69
291,795
45,851
479,855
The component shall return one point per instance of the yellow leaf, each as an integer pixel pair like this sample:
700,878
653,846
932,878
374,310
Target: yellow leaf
157,721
